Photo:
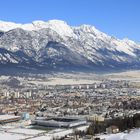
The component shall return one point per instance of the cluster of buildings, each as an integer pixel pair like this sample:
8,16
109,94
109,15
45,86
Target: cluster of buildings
61,109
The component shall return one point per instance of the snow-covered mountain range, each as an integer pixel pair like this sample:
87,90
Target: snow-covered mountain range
56,45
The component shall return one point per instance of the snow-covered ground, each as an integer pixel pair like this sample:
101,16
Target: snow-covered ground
63,81
133,135
11,133
16,133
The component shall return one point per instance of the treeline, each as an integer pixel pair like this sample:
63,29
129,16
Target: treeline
123,124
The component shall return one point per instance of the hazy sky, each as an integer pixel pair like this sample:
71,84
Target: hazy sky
120,18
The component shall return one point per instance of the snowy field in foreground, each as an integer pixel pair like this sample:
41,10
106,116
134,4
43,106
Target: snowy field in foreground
8,133
133,135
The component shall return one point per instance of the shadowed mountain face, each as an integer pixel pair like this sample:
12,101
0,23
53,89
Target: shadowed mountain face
54,45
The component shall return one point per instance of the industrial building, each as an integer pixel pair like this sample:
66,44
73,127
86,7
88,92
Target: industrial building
9,118
60,122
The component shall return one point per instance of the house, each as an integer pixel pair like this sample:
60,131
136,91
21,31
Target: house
112,129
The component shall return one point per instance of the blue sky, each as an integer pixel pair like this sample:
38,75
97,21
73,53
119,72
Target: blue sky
120,18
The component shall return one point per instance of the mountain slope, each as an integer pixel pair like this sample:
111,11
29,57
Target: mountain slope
56,45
